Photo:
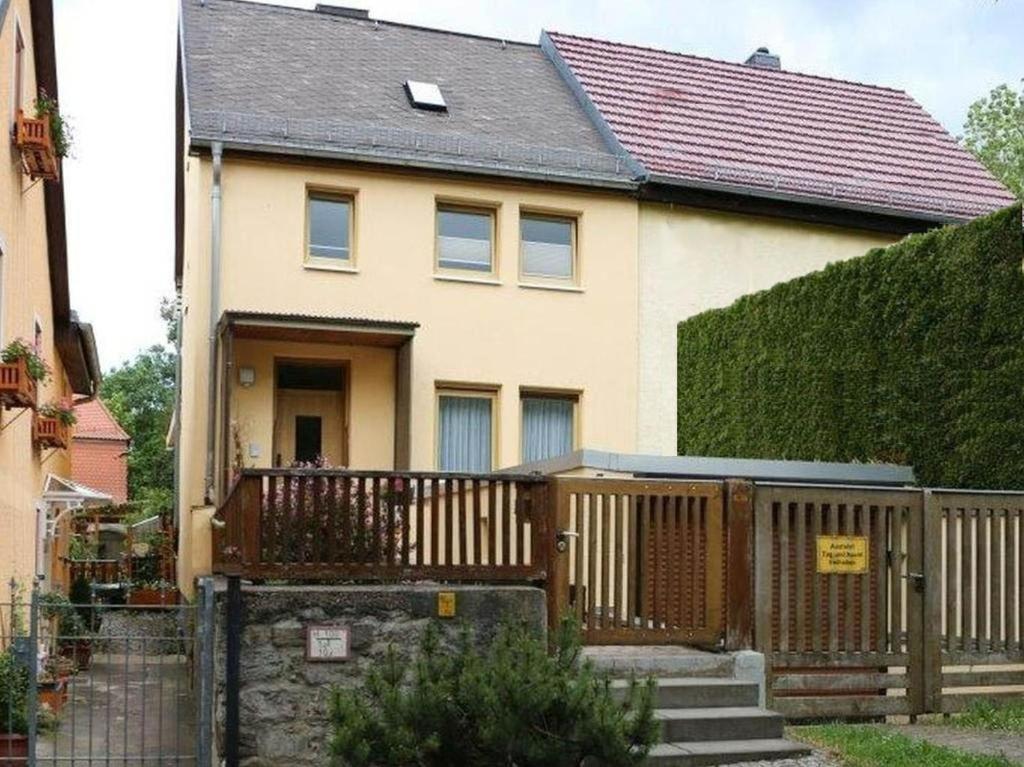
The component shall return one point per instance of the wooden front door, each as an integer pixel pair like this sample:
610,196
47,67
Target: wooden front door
310,423
643,560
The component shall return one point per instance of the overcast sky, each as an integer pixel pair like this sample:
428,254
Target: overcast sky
116,73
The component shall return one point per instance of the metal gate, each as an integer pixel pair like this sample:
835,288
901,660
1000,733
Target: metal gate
97,684
640,562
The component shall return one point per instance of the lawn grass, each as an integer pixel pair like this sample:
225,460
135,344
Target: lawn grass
987,716
869,746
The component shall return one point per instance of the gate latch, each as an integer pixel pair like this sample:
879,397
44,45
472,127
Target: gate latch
917,579
562,540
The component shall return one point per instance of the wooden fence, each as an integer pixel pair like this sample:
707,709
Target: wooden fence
932,621
638,561
326,524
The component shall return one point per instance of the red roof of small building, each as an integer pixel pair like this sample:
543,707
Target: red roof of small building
96,422
693,120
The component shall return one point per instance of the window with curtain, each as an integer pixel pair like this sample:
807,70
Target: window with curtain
465,432
330,228
547,246
465,239
548,426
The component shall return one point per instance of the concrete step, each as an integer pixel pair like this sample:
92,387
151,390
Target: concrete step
675,692
692,725
661,661
712,752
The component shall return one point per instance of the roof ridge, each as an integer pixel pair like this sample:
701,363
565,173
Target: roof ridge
259,4
732,64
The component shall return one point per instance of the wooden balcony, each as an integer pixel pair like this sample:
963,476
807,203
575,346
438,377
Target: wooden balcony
335,525
17,387
38,157
50,432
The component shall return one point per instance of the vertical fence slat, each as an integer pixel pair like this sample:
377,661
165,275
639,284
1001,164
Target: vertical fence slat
966,580
847,510
996,569
981,568
592,561
897,581
800,518
578,547
633,565
784,607
817,610
833,587
492,522
865,583
478,526
606,565
952,561
1012,591
619,513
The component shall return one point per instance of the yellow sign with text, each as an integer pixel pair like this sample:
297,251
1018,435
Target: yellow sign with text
843,554
446,604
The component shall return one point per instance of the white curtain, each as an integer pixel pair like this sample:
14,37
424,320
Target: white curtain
547,427
464,253
547,259
465,434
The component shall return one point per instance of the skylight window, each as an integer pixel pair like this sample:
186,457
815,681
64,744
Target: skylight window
425,95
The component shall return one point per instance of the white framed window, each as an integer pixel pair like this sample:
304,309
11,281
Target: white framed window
329,228
547,247
466,429
465,239
549,424
18,83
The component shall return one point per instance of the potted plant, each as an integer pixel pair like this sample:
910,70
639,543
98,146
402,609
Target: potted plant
153,593
72,635
22,369
13,711
43,139
53,424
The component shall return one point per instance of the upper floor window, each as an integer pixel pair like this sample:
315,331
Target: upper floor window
547,247
329,228
465,239
19,67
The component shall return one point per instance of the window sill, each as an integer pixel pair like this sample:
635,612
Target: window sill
551,286
329,267
460,278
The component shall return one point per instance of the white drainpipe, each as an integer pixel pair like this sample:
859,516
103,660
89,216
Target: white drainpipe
211,419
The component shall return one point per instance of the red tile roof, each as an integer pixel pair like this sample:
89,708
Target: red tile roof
96,422
720,124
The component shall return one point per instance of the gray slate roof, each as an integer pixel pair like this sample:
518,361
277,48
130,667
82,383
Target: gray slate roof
305,82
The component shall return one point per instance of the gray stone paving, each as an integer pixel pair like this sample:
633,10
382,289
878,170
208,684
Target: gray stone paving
817,759
125,712
972,740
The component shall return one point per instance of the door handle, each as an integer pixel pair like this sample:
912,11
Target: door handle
917,579
562,539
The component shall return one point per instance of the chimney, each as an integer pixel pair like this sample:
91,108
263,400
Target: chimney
764,59
341,10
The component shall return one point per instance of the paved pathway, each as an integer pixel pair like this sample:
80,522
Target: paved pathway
976,741
125,712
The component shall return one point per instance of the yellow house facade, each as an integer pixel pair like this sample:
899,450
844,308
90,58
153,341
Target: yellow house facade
403,248
33,299
442,315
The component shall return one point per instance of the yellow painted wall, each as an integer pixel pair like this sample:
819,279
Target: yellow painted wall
499,334
24,296
692,260
371,382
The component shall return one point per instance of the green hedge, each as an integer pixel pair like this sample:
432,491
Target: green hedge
909,354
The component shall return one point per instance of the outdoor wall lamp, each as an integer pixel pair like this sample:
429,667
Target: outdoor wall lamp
246,376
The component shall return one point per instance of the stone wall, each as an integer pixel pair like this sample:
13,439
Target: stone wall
284,697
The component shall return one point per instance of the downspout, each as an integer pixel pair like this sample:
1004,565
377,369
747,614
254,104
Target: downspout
179,327
211,420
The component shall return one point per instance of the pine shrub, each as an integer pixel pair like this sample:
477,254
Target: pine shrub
515,704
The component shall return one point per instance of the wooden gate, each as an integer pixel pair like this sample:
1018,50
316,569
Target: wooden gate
840,644
638,561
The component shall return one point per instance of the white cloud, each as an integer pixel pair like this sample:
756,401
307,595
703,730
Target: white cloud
116,60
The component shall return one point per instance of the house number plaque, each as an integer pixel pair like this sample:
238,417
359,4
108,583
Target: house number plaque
327,643
847,554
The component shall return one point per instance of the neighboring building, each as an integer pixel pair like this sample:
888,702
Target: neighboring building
99,451
408,248
751,175
34,302
395,283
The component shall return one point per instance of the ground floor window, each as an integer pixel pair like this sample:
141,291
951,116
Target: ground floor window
465,435
549,425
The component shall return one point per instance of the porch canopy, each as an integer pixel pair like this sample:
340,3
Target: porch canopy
280,329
